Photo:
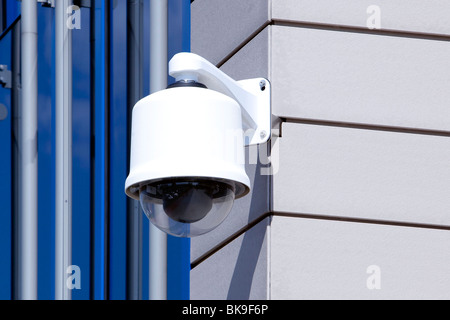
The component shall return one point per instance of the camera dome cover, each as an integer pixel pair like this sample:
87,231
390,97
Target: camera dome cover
187,163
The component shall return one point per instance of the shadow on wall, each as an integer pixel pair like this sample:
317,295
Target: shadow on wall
241,284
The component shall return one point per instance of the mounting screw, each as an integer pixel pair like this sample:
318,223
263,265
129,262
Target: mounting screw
263,134
262,85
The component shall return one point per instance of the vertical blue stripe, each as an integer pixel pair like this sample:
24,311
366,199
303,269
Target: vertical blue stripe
118,150
100,154
81,155
5,178
12,11
145,258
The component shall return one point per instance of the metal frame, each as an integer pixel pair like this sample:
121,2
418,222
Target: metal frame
135,46
27,219
158,81
63,150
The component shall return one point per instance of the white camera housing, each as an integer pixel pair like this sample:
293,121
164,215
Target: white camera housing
187,161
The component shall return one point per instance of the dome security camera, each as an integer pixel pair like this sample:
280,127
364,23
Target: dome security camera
187,146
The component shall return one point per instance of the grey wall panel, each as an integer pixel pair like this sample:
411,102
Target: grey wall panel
219,27
400,15
318,259
365,174
245,210
350,77
331,75
360,78
250,62
237,271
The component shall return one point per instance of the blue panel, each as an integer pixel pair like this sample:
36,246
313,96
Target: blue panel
81,154
46,162
101,255
100,225
5,178
12,11
118,153
178,265
145,258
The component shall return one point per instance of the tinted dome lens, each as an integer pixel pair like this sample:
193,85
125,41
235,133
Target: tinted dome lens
187,207
187,203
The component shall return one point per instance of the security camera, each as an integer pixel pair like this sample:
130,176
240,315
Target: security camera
187,145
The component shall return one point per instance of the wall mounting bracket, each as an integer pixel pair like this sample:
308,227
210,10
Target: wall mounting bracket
253,95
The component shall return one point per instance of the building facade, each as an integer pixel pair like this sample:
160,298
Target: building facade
109,252
350,199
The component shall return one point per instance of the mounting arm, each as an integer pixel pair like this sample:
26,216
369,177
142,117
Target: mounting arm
253,95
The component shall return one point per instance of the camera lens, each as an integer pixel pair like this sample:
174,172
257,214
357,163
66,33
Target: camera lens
187,203
187,207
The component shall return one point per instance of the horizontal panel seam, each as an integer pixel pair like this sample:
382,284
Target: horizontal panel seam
229,239
333,27
362,126
312,216
243,44
355,29
360,220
